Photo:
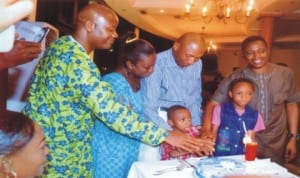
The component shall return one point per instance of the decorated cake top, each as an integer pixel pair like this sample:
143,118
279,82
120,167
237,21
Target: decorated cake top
218,167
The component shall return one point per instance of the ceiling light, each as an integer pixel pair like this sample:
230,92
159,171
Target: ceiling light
223,10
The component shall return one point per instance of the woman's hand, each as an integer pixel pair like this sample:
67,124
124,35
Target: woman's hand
190,144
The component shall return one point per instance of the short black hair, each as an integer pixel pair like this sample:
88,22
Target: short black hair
234,82
172,109
251,39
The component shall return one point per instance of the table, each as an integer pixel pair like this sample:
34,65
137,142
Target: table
259,168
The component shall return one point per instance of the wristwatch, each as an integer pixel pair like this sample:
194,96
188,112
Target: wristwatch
292,135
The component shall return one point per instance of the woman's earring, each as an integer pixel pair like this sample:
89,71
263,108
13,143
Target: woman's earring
128,71
7,166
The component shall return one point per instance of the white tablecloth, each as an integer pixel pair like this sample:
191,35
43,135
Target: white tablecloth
259,168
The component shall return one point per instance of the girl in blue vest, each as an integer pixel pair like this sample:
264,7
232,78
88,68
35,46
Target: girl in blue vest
230,119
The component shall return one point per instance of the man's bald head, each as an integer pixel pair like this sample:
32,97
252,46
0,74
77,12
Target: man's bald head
96,27
93,12
188,48
190,38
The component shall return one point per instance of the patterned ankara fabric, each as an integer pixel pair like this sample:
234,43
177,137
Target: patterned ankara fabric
166,149
170,85
272,91
66,95
231,132
114,153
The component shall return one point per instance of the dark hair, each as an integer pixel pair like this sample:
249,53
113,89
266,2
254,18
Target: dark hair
240,80
251,39
16,131
172,109
133,49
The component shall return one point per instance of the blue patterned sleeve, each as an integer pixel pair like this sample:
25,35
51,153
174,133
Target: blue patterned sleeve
100,97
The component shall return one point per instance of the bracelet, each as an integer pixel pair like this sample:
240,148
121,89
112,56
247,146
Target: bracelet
296,136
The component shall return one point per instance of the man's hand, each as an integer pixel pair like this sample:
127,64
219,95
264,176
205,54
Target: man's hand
291,150
22,52
12,11
190,144
206,129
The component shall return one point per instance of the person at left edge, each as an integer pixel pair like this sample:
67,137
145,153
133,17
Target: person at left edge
67,92
23,151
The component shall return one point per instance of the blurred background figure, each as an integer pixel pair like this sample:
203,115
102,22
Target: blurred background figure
211,77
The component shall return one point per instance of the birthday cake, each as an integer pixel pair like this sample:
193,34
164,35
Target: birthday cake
218,167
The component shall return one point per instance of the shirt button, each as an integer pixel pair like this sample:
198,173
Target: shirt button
235,145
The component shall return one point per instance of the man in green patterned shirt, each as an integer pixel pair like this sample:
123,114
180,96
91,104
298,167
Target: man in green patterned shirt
67,92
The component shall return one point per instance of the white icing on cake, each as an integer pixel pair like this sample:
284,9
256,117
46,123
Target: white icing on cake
218,167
